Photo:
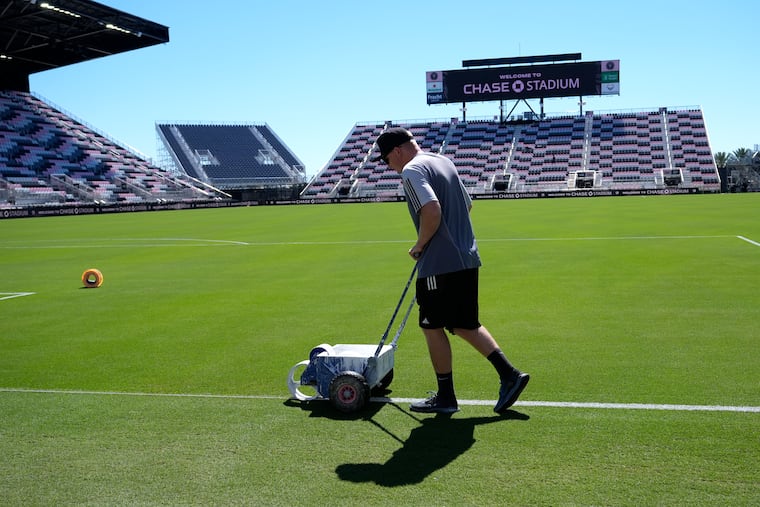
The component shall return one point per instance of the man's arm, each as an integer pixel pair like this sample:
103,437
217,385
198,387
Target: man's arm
430,219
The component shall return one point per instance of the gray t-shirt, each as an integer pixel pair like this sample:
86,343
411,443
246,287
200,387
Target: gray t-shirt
432,177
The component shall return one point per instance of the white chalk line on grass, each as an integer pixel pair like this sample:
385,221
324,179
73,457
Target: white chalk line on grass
607,238
139,394
748,240
124,242
544,404
198,242
11,295
614,406
494,240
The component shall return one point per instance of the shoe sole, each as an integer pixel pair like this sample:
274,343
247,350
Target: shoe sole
444,410
513,394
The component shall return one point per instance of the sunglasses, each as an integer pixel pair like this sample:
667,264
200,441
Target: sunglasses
384,158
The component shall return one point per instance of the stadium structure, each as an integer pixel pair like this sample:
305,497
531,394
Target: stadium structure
48,157
50,160
625,152
535,154
249,161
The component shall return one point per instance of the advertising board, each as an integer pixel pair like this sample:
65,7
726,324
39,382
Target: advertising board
523,82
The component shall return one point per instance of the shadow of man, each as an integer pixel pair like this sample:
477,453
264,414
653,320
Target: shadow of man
434,444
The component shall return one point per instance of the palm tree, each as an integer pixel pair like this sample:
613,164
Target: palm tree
721,158
742,155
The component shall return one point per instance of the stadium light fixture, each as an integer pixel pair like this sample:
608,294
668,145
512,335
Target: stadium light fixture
117,28
5,57
51,7
111,26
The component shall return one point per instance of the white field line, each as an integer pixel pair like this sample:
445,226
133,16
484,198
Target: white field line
11,295
123,242
608,238
620,406
138,394
197,242
491,240
748,240
547,404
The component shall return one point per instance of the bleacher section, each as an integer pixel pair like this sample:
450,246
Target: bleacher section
230,156
48,157
632,150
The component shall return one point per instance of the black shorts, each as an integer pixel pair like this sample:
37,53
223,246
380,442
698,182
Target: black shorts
449,300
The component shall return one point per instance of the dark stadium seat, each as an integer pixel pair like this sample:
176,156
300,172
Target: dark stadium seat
232,156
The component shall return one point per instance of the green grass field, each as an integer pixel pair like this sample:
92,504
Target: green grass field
167,385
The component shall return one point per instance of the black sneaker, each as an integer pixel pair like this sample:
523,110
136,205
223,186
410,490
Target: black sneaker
434,404
510,391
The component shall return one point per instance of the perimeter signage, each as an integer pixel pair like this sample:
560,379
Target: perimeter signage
524,82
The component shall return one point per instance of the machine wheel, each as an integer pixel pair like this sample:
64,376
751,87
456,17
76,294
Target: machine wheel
382,387
349,391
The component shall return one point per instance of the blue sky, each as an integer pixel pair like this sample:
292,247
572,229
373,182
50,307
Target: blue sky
311,70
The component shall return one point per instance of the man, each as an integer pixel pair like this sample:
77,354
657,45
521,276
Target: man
447,276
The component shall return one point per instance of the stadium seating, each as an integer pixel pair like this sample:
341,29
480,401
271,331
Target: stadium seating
230,156
48,157
623,151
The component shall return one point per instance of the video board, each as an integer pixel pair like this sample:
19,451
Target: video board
524,82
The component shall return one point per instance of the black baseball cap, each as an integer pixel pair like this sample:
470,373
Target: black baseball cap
391,138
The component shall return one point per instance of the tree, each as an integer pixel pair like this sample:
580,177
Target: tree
721,158
743,155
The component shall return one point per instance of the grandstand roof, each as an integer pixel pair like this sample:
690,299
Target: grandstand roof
40,35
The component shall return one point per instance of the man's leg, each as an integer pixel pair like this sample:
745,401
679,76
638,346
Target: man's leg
479,338
439,348
513,381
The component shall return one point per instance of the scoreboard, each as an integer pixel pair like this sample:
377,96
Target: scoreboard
523,82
